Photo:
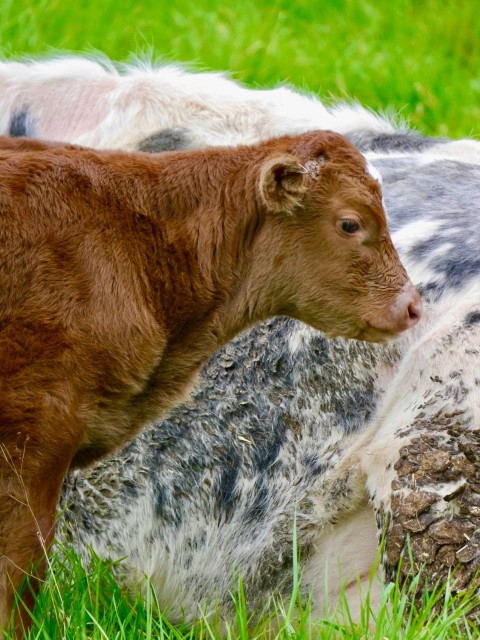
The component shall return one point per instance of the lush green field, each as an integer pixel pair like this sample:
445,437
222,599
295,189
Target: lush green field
419,58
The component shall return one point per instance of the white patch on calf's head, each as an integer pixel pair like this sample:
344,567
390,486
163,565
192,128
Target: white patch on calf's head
312,168
373,171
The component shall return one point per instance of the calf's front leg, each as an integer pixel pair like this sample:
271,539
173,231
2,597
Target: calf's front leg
31,475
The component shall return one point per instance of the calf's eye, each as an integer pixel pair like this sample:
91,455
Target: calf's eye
349,226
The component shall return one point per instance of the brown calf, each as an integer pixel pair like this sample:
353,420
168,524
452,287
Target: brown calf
120,274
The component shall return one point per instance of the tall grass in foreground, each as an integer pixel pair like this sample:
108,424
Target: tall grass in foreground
419,58
76,604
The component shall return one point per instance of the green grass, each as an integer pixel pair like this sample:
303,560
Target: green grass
75,604
419,58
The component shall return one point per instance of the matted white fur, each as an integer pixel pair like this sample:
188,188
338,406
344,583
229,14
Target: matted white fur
97,104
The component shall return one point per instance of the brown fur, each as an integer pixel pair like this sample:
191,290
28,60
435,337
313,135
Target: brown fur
121,273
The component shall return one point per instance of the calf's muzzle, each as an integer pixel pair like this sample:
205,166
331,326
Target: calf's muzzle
405,312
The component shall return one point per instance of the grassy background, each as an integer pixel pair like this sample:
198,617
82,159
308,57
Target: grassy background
420,58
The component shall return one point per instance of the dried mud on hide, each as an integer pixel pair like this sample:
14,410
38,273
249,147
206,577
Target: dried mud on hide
434,523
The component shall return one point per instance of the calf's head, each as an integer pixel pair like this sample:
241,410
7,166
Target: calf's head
333,260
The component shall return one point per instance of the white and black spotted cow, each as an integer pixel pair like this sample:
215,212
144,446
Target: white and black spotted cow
286,426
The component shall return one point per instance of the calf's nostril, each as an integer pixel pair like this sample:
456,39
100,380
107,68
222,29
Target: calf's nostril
414,311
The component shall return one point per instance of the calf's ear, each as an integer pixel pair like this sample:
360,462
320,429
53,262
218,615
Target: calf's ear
282,183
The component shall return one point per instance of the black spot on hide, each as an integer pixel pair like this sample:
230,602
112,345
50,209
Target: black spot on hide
166,140
313,464
258,508
472,318
266,450
20,124
367,141
225,489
